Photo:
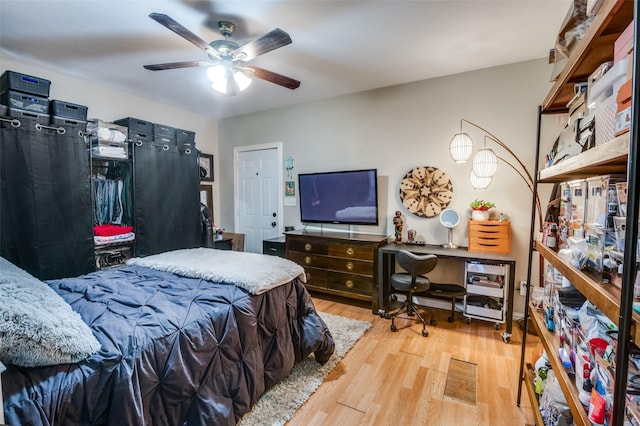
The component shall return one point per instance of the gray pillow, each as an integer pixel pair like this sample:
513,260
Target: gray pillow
37,327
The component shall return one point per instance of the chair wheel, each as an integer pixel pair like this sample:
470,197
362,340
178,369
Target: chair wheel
394,328
468,320
386,315
451,319
425,333
497,326
432,322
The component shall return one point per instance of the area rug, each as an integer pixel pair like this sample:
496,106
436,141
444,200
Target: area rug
461,381
280,403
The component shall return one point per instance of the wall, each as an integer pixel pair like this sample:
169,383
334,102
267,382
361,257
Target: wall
397,128
111,104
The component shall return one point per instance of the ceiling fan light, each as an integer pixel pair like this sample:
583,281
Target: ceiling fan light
220,85
485,163
479,182
460,147
241,80
216,73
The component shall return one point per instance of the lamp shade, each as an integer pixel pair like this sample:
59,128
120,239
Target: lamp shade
479,182
485,163
460,147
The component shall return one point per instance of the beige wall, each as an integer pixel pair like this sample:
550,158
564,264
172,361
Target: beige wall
397,128
110,104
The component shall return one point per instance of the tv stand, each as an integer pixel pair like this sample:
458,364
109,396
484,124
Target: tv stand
337,263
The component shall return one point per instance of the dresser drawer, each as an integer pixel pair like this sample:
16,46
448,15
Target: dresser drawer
308,246
308,259
350,283
351,266
351,251
316,278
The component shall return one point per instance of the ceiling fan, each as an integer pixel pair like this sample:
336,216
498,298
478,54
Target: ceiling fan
227,69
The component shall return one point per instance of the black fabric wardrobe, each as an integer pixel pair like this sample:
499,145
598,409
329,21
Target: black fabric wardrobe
166,197
45,200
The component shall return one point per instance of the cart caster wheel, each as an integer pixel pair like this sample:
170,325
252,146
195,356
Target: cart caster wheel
432,322
386,316
506,339
451,319
425,333
468,320
497,326
394,328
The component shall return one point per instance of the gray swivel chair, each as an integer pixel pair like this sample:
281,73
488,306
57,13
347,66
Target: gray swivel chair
411,282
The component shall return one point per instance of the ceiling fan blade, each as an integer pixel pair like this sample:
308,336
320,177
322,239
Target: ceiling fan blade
273,77
177,28
268,42
174,65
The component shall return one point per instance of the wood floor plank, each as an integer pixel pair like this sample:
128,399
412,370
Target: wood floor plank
399,378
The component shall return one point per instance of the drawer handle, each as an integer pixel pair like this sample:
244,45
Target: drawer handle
307,260
349,284
307,247
273,249
308,276
350,251
350,266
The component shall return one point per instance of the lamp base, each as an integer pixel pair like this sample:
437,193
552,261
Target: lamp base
450,246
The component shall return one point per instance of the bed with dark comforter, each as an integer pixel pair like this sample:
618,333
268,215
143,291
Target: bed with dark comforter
174,351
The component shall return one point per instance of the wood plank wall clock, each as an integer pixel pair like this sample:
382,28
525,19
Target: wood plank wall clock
425,191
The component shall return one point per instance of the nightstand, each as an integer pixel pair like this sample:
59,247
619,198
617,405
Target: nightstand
274,246
223,244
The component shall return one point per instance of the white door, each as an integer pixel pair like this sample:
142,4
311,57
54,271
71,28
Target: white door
258,188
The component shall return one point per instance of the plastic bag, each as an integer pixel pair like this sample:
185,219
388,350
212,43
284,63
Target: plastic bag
553,405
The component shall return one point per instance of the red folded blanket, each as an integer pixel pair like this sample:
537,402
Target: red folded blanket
109,230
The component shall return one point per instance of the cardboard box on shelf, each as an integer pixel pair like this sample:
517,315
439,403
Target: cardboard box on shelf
623,114
623,44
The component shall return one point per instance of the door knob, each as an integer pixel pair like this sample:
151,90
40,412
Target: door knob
273,224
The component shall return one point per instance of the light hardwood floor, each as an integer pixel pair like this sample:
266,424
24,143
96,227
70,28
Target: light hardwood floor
399,378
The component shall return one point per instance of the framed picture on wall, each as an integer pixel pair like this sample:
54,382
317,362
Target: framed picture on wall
290,188
206,198
206,166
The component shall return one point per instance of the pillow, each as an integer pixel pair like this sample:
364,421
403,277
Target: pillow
37,327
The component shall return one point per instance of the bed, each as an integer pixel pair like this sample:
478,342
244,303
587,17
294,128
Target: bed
177,345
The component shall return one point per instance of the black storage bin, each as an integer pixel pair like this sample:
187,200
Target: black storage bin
140,136
185,136
69,122
11,80
25,101
137,125
19,113
65,109
162,130
165,140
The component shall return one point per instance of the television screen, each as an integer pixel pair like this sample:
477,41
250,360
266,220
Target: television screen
345,197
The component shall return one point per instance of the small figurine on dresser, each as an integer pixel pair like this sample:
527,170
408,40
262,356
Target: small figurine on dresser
397,221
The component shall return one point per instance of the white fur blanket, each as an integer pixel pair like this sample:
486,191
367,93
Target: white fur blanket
253,272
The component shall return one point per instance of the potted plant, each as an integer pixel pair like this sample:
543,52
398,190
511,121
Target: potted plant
480,209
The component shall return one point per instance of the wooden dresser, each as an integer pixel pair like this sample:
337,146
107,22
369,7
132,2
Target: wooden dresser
342,264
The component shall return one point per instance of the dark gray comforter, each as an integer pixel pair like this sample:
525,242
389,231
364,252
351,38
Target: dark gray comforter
175,351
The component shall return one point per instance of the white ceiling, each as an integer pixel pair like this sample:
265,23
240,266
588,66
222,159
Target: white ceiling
339,46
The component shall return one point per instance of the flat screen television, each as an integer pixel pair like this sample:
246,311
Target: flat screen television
344,197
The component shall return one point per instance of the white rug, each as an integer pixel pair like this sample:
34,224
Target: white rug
279,404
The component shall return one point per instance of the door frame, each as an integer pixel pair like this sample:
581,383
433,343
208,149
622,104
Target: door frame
278,146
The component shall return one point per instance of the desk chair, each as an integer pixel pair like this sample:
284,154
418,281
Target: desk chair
410,282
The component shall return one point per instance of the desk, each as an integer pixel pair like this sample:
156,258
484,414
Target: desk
387,262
